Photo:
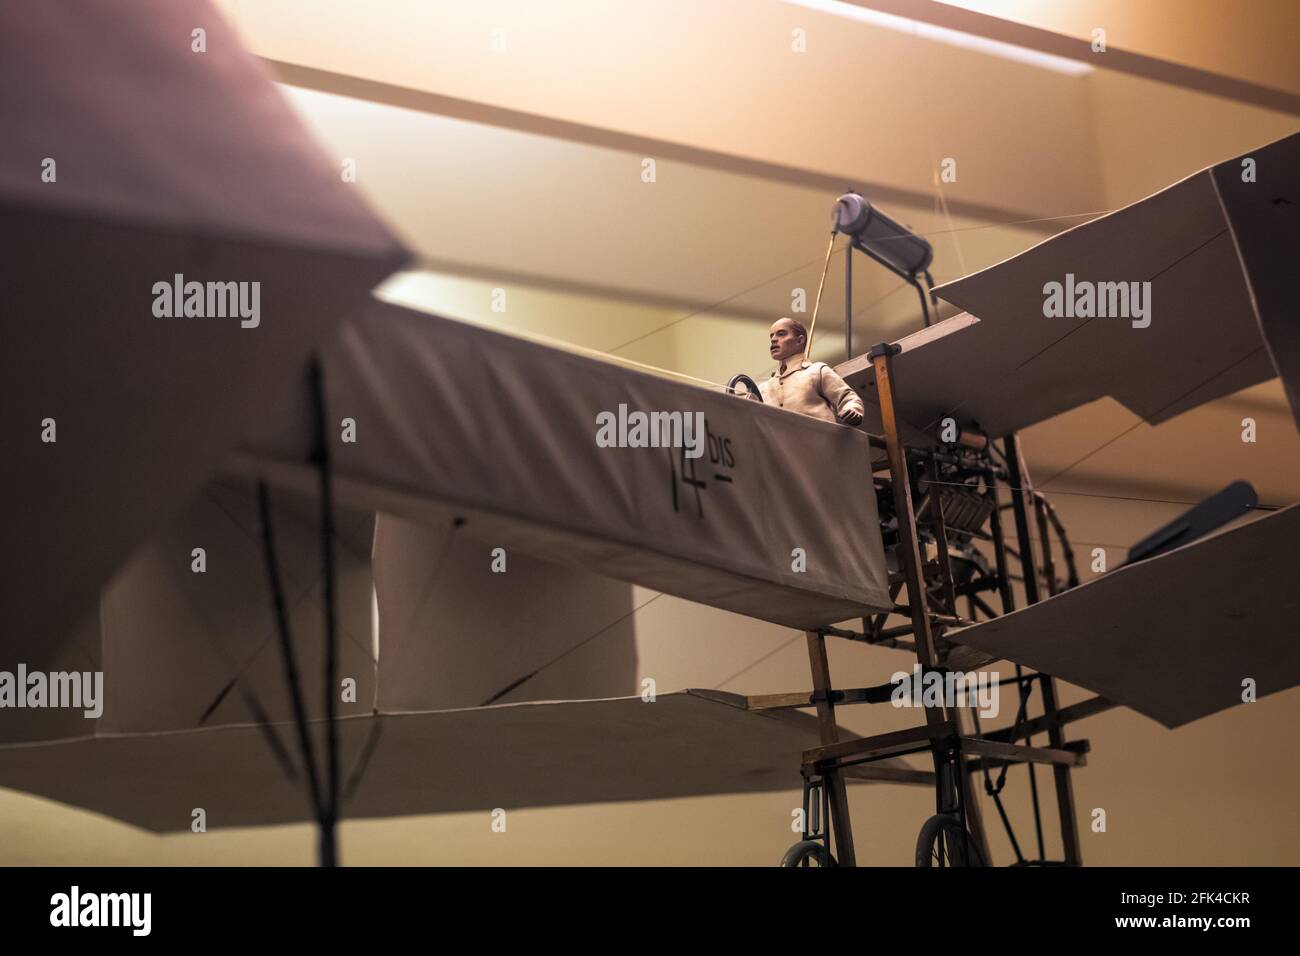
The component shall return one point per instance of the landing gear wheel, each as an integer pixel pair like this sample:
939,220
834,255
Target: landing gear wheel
808,853
943,842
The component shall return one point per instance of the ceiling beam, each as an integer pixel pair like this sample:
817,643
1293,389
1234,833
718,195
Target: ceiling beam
372,91
1029,37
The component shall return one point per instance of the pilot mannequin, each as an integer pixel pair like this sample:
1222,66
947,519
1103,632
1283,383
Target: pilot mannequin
810,388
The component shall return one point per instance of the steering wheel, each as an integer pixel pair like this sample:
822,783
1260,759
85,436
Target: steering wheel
750,385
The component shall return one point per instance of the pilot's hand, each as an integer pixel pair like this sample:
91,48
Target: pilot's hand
851,417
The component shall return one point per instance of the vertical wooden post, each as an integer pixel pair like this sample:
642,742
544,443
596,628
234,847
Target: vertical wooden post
913,573
831,779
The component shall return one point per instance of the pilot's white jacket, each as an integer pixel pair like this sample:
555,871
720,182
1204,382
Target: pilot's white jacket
811,388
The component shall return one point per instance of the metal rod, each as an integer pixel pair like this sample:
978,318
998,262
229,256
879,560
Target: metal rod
1018,478
934,496
1071,571
1008,605
1080,711
848,302
925,311
288,660
321,458
1049,567
812,326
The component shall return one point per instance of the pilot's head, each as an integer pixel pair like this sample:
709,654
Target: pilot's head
787,339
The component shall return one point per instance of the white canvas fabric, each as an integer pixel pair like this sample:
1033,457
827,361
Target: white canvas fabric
1174,636
178,648
423,623
463,622
456,422
1218,253
216,181
510,756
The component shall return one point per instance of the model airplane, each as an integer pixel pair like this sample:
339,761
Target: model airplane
196,716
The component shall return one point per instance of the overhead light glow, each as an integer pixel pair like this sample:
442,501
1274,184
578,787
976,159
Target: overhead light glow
1006,51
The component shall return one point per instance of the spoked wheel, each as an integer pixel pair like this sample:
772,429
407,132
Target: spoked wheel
808,853
943,842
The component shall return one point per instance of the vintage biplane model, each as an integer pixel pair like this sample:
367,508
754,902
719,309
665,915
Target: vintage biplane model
1161,634
177,436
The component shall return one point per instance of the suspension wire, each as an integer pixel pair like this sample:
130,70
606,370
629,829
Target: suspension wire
758,285
1143,421
529,676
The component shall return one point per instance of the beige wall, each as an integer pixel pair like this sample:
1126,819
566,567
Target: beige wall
1154,134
